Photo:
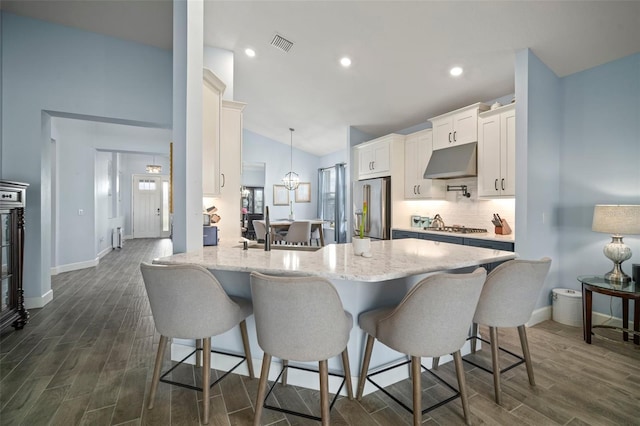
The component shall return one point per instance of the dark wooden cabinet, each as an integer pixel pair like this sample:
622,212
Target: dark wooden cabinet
454,239
12,204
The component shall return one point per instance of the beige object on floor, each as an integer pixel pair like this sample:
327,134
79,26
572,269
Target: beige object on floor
432,320
300,319
188,302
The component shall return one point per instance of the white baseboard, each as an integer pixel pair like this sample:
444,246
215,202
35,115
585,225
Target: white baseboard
599,319
539,315
104,252
55,270
128,237
38,302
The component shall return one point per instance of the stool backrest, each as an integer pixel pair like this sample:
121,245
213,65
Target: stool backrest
187,301
299,232
433,319
511,292
299,318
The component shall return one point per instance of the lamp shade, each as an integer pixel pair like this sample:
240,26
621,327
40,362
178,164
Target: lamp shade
616,219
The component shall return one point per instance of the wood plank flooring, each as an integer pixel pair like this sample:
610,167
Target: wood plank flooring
87,359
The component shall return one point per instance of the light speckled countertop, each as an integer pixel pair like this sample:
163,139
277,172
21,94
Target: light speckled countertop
390,259
511,238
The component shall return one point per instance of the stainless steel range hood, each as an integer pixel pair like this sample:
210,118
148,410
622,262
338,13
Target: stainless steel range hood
455,162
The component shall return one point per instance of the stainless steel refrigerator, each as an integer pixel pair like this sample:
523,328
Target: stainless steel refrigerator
377,194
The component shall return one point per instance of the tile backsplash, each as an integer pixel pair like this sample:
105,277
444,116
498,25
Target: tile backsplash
456,209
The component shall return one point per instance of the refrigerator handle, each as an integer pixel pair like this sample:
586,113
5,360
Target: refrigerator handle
366,197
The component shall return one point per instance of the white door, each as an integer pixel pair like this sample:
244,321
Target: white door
147,206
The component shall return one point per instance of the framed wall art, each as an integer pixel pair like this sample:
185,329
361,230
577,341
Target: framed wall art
280,195
303,193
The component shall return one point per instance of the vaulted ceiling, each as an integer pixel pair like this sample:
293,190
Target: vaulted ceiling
401,53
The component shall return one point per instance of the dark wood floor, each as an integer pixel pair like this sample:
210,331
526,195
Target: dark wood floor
87,358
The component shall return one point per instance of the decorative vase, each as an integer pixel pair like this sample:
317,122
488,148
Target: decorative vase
292,216
361,245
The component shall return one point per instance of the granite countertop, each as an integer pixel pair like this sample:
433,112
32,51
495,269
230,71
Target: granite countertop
390,259
511,238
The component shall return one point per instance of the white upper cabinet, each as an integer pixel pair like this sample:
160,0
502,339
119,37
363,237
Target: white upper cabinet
497,152
212,90
457,127
374,158
417,153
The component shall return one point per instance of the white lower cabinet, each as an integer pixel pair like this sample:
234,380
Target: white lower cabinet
497,152
417,153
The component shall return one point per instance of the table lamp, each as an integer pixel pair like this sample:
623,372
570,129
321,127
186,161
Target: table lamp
617,220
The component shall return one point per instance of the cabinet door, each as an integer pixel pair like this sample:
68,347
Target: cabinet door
489,156
411,165
365,161
211,105
5,260
508,153
381,156
229,200
465,127
442,132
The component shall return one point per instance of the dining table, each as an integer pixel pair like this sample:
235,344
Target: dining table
283,225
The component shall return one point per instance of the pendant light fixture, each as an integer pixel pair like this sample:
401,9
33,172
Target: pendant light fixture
154,168
291,180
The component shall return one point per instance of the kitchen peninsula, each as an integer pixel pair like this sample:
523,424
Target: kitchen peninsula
362,283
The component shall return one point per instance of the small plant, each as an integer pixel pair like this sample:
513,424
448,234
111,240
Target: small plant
364,218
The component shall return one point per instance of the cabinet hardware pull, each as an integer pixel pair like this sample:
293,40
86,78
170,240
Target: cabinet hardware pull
496,184
414,189
418,189
373,165
454,135
502,184
370,165
222,174
449,137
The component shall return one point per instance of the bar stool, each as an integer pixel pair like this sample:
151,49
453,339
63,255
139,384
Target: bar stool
508,299
300,319
432,320
188,302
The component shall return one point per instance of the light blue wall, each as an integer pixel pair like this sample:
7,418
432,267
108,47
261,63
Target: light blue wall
51,68
276,155
538,141
220,62
600,156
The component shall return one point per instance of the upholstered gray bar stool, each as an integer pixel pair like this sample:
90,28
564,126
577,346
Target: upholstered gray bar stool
432,320
300,319
507,300
188,302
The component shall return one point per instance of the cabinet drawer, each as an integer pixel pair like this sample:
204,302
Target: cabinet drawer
398,235
495,245
443,238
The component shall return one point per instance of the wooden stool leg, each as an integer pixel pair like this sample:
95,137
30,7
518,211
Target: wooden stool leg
198,353
347,373
285,370
324,392
462,385
474,333
247,348
156,370
495,360
416,372
527,355
365,366
206,378
262,388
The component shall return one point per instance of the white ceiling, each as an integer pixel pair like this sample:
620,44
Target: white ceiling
401,53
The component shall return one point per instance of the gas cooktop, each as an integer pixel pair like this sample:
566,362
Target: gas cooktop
458,229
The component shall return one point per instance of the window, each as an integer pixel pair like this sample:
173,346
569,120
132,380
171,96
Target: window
328,194
146,185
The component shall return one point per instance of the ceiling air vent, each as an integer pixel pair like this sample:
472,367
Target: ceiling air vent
281,43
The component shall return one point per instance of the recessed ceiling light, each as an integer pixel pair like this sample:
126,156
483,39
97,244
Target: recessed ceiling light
455,71
250,52
345,62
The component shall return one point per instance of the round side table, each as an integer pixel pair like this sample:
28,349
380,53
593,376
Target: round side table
628,291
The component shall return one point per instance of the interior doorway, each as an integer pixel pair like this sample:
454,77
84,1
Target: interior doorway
150,207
